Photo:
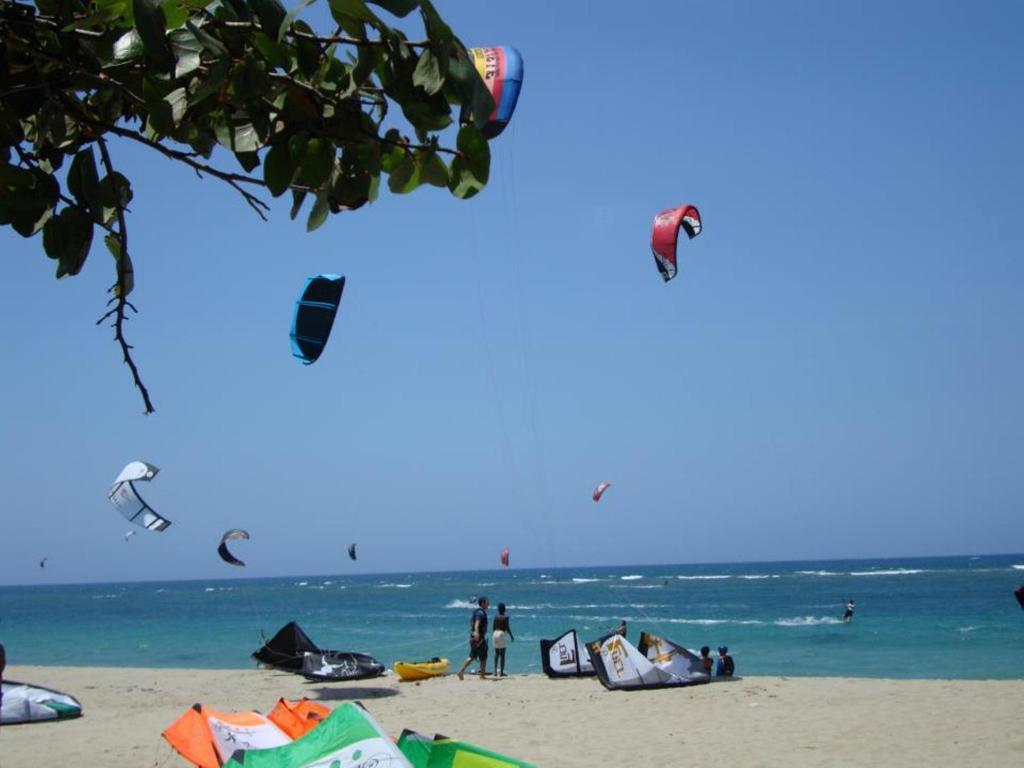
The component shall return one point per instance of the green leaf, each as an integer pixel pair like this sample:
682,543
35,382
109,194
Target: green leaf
405,177
236,136
433,171
322,206
317,163
124,264
472,166
428,73
83,180
278,169
150,24
128,47
356,10
399,8
67,238
248,160
187,51
210,43
298,196
292,14
175,12
271,15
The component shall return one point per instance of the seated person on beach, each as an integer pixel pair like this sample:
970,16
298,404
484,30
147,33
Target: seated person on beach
725,667
477,638
502,629
705,659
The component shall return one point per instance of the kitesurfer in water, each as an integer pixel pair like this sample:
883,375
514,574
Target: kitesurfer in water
502,628
477,638
848,613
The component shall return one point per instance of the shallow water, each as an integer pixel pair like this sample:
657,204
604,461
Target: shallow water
952,617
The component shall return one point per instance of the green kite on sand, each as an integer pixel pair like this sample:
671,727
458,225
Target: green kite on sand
348,738
351,738
441,752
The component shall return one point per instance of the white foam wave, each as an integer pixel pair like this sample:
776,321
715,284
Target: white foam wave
711,622
637,586
806,621
889,572
713,577
579,580
328,583
460,604
487,584
302,584
965,630
818,573
631,577
1017,567
393,586
757,576
210,589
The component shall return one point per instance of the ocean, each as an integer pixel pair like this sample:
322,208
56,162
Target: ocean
948,617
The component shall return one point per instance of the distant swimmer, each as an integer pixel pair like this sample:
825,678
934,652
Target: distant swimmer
848,613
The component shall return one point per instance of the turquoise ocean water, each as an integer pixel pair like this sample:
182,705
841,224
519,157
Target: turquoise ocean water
950,617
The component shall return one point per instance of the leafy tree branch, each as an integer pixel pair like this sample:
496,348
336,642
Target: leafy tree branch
298,111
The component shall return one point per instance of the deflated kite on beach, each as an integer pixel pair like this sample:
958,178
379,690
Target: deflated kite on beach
442,752
565,656
292,650
658,663
27,703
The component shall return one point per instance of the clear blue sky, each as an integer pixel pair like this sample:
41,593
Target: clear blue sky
837,371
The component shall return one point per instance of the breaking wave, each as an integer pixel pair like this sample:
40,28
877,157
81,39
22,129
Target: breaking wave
393,586
705,578
889,572
631,577
818,573
806,621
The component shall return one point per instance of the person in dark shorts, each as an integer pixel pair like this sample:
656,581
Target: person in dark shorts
477,638
3,663
502,630
848,613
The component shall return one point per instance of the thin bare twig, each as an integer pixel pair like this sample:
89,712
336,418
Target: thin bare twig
121,286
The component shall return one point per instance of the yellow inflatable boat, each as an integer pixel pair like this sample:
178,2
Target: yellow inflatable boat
421,670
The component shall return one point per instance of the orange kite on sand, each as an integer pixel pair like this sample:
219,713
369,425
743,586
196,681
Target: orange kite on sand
207,737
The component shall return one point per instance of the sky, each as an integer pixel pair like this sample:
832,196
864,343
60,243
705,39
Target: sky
835,372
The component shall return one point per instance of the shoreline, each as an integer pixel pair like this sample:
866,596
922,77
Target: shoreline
748,721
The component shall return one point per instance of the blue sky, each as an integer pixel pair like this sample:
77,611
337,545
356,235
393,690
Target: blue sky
835,372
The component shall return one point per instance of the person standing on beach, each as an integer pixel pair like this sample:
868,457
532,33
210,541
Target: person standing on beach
477,638
848,613
502,627
3,663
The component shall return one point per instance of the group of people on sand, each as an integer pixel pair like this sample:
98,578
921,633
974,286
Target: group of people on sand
725,667
501,633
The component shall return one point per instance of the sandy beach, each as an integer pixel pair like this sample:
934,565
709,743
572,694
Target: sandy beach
751,721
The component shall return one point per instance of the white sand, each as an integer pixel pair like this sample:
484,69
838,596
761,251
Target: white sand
753,721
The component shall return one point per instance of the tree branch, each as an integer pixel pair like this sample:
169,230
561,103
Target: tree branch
233,179
120,288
